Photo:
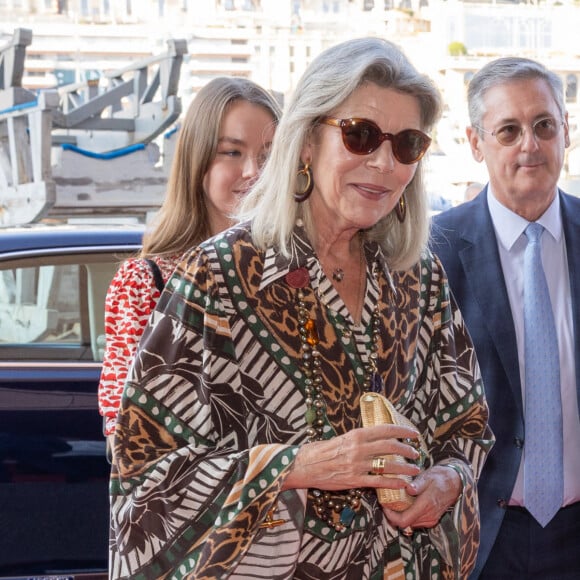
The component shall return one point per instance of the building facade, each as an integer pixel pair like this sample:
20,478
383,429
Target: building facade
272,41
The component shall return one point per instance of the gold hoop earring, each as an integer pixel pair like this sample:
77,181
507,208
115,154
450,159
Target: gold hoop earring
401,209
304,175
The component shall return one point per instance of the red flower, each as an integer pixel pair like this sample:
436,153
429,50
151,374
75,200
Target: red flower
299,278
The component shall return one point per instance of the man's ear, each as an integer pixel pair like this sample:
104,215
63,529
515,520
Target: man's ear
566,131
474,139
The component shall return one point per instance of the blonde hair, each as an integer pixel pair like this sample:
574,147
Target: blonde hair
182,221
329,80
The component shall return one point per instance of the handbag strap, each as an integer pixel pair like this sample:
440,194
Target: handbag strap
157,277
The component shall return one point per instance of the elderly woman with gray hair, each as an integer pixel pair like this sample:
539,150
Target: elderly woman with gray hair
306,402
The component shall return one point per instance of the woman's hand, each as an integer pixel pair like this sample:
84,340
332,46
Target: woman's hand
345,462
436,490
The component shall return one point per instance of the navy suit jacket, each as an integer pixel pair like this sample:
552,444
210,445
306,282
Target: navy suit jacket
465,241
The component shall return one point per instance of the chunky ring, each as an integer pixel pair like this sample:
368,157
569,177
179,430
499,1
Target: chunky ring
378,466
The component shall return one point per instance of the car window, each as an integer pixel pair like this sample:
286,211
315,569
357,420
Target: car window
51,307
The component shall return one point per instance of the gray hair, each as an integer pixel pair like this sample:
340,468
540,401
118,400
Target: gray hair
329,80
505,70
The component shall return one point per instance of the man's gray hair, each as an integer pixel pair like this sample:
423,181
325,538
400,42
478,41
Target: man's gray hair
505,70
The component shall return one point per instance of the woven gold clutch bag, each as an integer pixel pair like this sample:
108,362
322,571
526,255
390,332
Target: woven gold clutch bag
378,410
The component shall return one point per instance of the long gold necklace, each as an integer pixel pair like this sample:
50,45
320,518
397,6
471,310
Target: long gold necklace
337,509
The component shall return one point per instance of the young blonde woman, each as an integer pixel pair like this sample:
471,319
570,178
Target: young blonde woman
223,142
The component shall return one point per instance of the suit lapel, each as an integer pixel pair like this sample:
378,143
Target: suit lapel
571,223
482,266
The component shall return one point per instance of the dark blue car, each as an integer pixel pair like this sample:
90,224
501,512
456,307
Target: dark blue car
53,468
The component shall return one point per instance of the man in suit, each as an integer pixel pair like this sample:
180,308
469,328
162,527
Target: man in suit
519,128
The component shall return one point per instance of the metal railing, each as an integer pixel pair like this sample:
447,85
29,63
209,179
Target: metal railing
61,150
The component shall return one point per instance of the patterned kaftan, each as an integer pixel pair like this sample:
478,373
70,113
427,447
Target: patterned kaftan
214,412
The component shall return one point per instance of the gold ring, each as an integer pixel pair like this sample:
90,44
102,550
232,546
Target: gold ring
378,466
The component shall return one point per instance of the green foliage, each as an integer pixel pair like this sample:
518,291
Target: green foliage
457,49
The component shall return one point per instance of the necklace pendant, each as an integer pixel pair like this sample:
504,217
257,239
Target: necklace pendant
377,385
310,416
338,274
270,522
347,516
310,332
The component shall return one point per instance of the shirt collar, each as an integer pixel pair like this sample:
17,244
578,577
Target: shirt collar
509,226
277,265
302,255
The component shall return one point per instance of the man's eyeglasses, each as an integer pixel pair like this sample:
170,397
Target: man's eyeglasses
362,137
511,134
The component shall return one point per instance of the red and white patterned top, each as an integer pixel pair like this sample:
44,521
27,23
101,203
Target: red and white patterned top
131,297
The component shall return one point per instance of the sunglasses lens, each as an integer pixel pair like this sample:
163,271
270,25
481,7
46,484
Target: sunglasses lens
360,137
363,137
546,129
508,135
410,145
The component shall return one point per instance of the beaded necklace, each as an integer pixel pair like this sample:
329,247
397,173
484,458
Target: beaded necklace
336,509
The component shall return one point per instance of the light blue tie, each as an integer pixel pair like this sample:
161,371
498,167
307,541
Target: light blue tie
543,461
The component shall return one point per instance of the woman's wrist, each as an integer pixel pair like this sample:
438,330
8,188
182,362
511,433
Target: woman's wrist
461,475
